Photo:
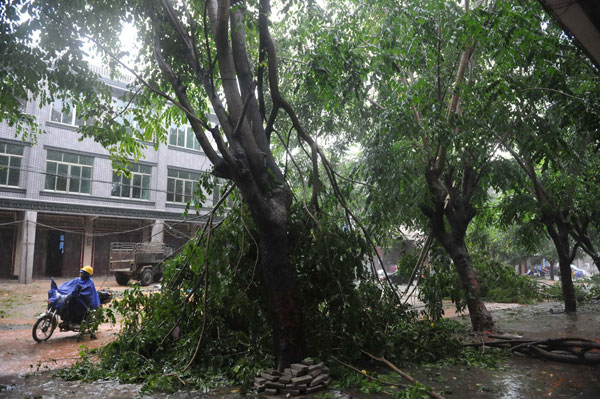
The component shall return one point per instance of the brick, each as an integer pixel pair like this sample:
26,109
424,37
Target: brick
291,392
299,367
269,377
305,379
276,385
298,373
319,380
318,388
260,388
308,361
271,391
287,371
325,370
260,380
315,373
316,366
273,372
285,379
328,382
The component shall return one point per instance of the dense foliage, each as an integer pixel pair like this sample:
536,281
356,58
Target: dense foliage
212,302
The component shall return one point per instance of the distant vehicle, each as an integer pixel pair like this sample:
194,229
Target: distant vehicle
536,272
394,277
138,261
579,273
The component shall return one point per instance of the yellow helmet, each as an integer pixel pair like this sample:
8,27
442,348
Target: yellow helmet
88,269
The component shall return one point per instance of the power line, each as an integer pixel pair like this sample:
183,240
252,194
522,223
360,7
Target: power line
169,228
11,223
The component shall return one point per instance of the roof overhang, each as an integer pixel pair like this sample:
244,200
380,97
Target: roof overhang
580,19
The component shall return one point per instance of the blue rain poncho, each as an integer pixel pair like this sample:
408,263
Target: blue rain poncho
74,298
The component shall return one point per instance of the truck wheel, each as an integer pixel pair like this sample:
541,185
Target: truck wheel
146,277
122,279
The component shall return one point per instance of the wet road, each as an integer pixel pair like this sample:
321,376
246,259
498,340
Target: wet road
24,364
20,305
522,377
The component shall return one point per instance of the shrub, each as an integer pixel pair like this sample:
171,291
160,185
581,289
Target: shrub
500,283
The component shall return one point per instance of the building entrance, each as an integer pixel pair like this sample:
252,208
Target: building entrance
7,240
55,251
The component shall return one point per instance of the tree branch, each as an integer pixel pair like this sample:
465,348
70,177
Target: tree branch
212,155
404,375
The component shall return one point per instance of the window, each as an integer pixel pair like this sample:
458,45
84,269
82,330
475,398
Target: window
136,186
65,112
70,173
11,156
181,185
23,105
183,137
124,115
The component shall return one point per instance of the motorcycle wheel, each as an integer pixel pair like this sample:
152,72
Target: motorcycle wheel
43,328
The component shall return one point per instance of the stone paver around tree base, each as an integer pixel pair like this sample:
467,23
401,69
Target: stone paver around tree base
303,378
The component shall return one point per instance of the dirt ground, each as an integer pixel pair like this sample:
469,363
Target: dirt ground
26,366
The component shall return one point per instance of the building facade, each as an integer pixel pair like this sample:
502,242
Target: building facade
62,204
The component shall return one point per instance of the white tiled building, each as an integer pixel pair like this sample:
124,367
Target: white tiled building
61,204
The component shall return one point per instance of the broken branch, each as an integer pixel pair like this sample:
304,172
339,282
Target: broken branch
401,373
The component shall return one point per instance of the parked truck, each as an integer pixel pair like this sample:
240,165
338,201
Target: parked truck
141,261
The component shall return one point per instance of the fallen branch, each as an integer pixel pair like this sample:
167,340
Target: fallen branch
366,375
498,344
176,376
402,373
567,350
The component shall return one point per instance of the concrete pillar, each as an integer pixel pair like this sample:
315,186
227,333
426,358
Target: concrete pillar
158,231
27,245
88,244
18,246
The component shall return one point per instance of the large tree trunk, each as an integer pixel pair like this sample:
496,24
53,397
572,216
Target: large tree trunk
555,219
481,320
451,207
568,290
596,260
559,234
286,317
272,216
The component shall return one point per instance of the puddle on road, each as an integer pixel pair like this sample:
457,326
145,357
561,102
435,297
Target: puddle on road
512,386
517,378
571,327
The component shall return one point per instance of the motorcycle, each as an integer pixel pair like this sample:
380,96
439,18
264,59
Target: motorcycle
64,311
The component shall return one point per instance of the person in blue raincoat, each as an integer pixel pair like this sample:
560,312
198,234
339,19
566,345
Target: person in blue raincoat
75,297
